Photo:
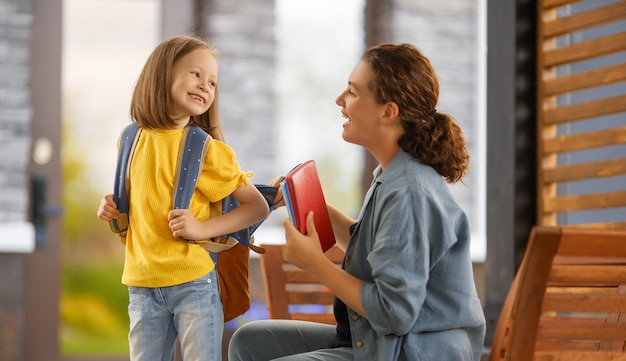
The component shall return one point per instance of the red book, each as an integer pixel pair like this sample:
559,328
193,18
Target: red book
303,193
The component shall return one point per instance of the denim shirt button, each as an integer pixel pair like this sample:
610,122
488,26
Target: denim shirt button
358,344
354,317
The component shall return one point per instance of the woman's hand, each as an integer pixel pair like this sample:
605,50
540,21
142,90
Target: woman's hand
304,251
107,210
184,225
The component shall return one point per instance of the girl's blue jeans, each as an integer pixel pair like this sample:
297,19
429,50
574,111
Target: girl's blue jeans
191,311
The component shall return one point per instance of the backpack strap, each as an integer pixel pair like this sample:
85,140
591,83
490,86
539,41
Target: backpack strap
128,140
188,168
191,155
189,165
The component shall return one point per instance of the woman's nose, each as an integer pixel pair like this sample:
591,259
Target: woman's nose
339,100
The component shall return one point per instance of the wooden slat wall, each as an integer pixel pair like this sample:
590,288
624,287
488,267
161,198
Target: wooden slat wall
559,48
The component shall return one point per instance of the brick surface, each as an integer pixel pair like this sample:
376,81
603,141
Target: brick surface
243,32
15,107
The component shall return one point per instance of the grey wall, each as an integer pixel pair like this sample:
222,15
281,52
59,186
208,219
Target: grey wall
15,108
243,32
15,113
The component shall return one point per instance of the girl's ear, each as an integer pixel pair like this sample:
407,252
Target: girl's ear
391,112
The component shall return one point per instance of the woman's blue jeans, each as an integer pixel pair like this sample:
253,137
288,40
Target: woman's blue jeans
285,340
191,311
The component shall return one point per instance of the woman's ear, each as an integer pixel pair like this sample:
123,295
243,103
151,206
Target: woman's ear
391,112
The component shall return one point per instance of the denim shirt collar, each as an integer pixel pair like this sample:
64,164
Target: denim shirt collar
396,162
379,176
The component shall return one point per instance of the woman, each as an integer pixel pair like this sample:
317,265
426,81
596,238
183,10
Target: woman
406,289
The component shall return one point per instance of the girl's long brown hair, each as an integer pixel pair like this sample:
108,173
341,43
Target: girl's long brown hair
151,104
403,75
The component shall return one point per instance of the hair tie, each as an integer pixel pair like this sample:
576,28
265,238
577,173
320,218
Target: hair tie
434,112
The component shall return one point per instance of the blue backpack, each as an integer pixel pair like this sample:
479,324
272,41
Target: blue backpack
229,252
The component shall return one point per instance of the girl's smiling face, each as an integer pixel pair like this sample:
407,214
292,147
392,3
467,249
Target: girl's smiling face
194,79
359,107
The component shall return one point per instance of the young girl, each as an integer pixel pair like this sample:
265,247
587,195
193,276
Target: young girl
172,283
406,289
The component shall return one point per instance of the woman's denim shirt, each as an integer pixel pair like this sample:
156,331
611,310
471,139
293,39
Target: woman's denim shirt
411,247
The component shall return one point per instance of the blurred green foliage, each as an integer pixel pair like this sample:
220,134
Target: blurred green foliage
93,311
93,306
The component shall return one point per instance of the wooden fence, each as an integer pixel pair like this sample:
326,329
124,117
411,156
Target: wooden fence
581,130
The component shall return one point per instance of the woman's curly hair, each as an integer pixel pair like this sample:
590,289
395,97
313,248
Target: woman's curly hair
401,74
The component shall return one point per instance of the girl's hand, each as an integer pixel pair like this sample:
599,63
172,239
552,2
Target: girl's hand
278,201
304,251
107,210
184,225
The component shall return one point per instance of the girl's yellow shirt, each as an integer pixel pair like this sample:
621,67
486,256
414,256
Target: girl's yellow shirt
154,257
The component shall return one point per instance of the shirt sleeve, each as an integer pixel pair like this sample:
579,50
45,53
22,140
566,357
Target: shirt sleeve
399,264
221,174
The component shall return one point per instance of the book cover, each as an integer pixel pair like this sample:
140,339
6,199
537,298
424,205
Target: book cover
303,193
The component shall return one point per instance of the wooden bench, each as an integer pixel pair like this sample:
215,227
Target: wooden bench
568,299
293,294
